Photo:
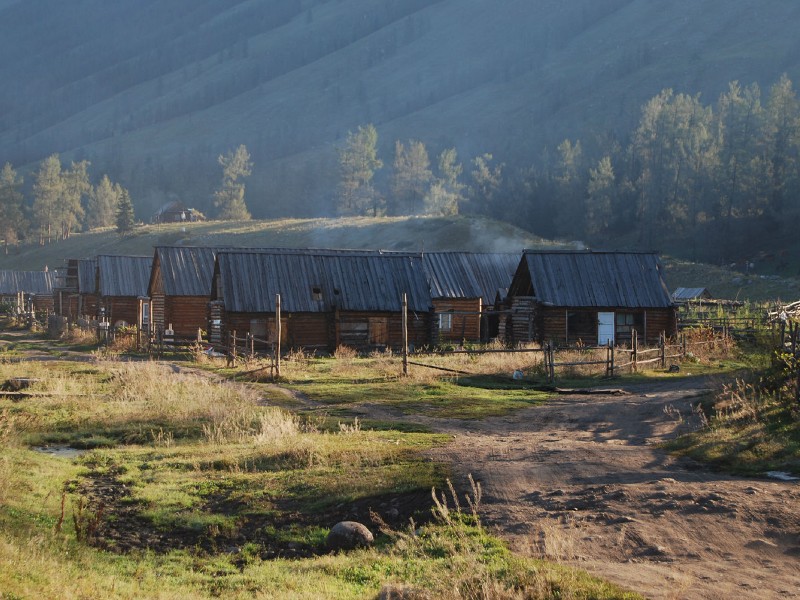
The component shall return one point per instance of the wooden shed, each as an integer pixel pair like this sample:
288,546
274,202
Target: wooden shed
180,288
75,289
328,298
122,286
36,288
683,295
464,286
589,297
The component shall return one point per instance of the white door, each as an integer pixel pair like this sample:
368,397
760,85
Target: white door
605,328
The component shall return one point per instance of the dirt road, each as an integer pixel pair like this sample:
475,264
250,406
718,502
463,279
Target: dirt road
581,480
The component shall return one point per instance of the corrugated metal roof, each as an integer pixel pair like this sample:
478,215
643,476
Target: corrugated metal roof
318,281
597,279
682,294
186,271
124,275
30,282
469,275
87,276
189,270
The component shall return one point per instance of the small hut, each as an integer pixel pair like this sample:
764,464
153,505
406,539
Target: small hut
33,288
594,298
122,286
464,287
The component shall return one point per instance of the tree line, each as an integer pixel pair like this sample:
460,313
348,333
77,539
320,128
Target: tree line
706,175
63,200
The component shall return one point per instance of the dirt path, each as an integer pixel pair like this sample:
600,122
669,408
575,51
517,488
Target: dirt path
579,480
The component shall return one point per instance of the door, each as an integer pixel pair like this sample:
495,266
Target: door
605,328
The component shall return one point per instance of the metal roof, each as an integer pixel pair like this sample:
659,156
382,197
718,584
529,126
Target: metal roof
319,281
682,294
469,275
87,276
123,275
185,271
597,279
30,282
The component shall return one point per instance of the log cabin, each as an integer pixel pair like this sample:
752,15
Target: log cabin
464,286
328,298
590,298
122,288
180,288
35,288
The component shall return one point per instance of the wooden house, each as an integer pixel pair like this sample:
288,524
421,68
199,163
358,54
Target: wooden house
180,288
88,292
33,288
464,287
75,289
122,287
591,298
176,211
328,298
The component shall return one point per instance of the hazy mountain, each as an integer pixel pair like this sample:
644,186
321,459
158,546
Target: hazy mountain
152,91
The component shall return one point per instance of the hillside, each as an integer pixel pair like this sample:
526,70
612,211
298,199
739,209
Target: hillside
152,92
399,233
402,233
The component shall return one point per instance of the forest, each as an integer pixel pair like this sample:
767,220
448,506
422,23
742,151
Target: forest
704,178
707,181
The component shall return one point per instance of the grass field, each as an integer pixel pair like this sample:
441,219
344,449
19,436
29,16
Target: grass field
132,480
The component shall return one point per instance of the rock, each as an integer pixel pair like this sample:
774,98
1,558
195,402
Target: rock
348,535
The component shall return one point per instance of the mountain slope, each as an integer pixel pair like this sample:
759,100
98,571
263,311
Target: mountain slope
152,92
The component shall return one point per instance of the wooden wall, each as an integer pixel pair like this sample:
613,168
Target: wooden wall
324,332
121,308
466,320
543,324
186,313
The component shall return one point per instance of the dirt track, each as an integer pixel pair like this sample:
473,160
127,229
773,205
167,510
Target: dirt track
580,480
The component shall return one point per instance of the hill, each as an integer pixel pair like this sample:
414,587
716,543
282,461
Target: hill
152,92
401,233
397,233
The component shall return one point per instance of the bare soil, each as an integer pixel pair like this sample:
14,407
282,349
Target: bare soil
582,480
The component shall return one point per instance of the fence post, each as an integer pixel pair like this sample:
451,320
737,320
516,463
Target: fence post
552,362
277,336
233,348
635,350
662,340
405,334
611,351
683,346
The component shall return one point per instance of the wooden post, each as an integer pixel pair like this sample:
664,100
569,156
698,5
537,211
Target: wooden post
663,342
405,334
277,336
233,349
634,350
139,319
199,335
252,346
611,350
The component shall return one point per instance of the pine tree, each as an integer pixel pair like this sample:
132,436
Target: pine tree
125,218
47,191
101,209
358,161
12,220
412,176
229,198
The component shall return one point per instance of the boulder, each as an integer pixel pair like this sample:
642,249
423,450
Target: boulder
348,535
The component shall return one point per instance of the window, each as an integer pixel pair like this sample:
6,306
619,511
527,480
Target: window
627,322
316,293
145,314
445,321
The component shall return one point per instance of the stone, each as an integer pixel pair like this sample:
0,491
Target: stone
348,535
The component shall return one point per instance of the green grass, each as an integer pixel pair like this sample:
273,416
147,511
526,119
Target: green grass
220,506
